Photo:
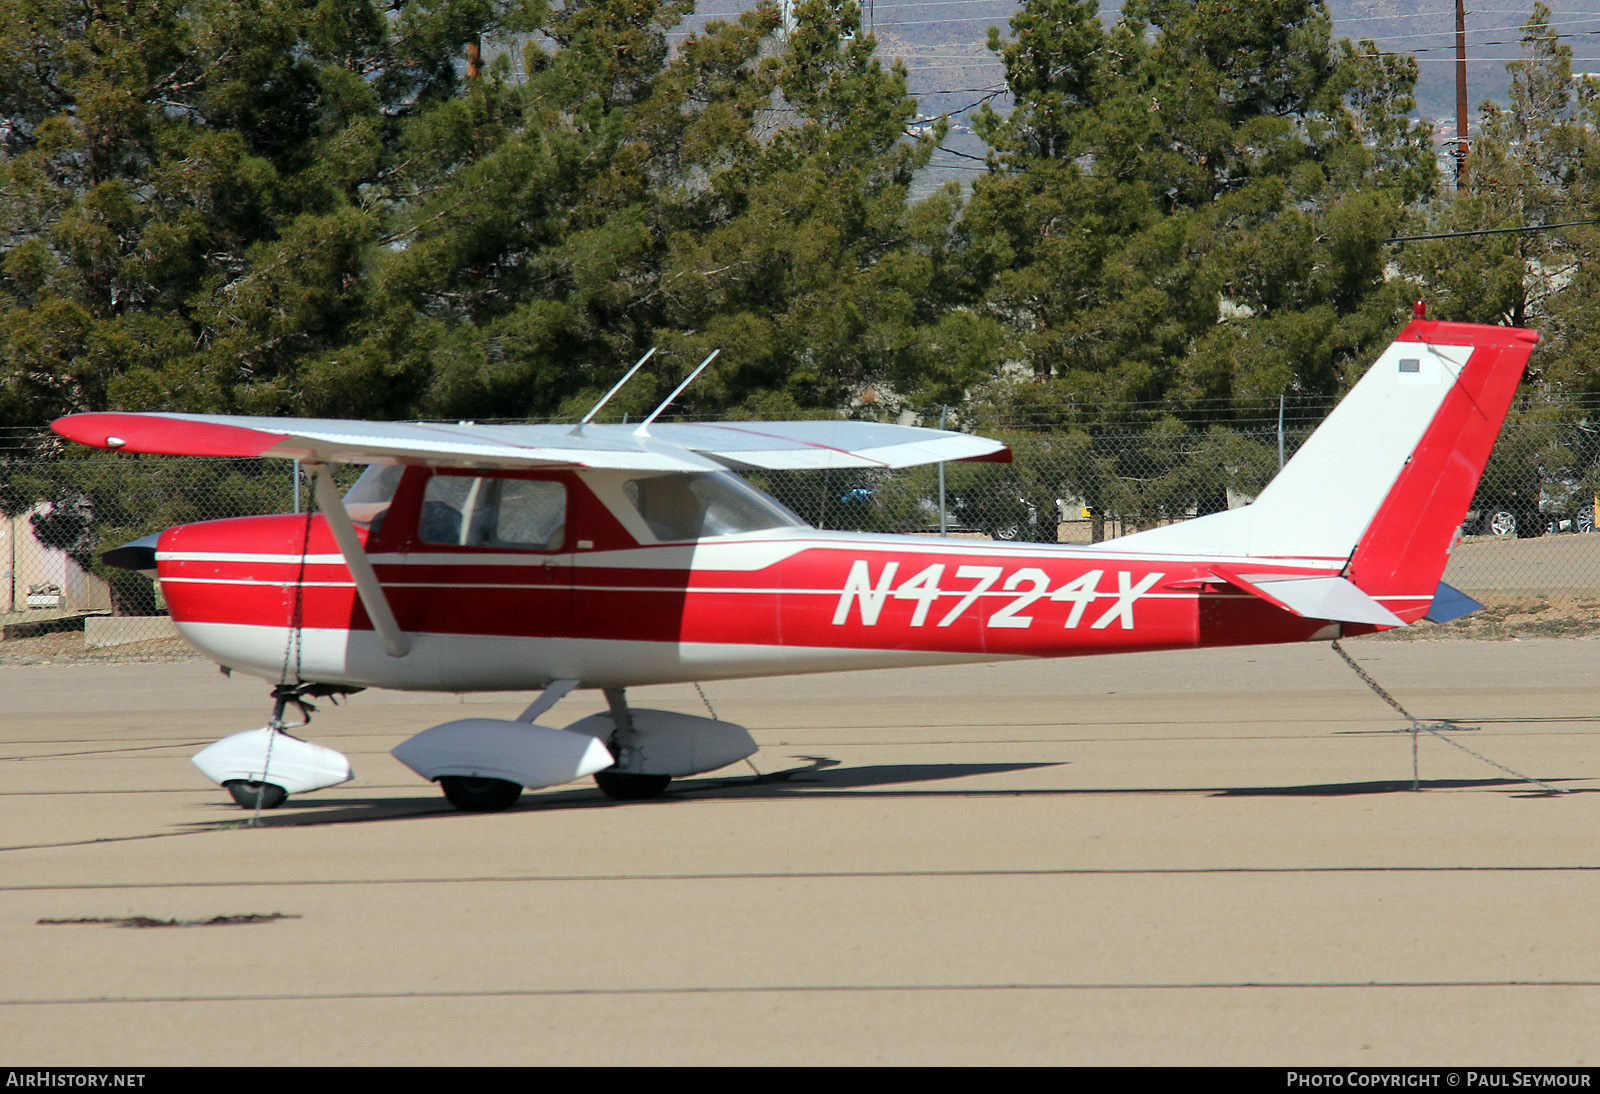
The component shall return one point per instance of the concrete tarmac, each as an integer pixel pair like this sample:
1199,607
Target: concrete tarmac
1188,858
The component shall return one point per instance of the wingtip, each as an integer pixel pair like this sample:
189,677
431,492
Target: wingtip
163,434
81,428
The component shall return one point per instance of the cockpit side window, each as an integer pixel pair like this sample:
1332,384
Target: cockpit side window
684,507
529,515
514,514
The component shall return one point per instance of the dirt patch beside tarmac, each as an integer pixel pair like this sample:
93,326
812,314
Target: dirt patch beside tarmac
64,646
1507,617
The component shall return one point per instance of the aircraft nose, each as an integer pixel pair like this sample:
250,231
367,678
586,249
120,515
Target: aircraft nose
139,555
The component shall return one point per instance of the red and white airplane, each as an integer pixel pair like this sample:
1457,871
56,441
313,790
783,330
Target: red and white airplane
473,558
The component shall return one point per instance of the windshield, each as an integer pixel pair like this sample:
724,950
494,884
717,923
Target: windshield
680,507
368,500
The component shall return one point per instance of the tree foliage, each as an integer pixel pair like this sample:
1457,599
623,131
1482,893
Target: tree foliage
488,208
1190,205
324,208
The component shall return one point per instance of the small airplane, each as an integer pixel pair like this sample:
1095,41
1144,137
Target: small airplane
479,558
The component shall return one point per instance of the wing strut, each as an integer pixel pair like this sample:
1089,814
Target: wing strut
355,557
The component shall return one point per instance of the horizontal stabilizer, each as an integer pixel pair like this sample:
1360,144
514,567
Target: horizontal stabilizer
1450,603
1331,598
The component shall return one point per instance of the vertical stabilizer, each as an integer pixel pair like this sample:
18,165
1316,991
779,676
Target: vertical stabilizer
1403,551
1385,481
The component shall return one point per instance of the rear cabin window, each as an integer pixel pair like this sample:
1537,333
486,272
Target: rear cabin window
516,514
680,507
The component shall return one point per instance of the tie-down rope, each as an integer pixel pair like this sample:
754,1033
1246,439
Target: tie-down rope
1432,728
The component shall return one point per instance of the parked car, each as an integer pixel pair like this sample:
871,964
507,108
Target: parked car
1003,513
1563,504
1566,505
1000,515
1494,520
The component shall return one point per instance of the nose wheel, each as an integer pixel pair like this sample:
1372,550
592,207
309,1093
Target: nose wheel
260,768
256,795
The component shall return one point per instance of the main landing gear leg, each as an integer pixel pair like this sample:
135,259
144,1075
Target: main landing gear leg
621,785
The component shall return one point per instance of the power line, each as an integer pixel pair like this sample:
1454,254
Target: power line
1492,231
950,4
1476,60
1505,42
1482,30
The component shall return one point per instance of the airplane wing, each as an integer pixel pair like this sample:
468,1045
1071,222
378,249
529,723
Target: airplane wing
670,446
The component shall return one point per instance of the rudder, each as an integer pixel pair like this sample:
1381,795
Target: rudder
1404,550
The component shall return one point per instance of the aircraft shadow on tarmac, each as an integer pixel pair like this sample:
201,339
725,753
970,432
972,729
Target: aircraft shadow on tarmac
820,776
1392,786
824,777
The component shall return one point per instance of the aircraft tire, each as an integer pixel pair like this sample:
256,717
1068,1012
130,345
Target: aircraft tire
247,795
624,787
473,795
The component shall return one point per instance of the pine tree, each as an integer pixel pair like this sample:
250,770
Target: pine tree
1191,204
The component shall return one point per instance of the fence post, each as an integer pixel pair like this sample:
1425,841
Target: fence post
943,524
11,573
1280,432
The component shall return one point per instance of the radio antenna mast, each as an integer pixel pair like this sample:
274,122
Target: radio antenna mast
587,418
644,426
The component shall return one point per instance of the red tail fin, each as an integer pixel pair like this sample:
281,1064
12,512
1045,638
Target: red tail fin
1406,546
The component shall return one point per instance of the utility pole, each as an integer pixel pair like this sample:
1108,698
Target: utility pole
1461,98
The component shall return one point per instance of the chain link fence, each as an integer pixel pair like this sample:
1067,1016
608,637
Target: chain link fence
1527,549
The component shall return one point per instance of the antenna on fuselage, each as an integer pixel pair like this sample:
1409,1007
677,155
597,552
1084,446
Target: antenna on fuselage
606,398
644,426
